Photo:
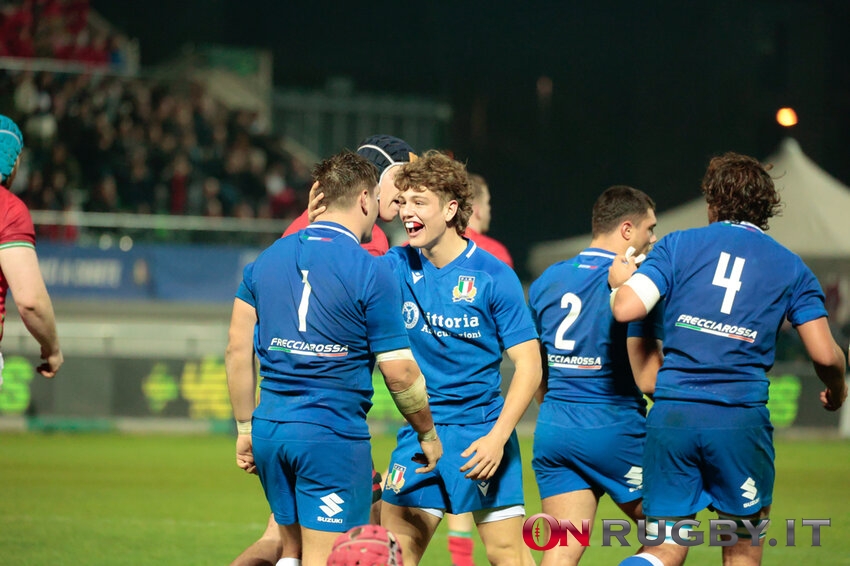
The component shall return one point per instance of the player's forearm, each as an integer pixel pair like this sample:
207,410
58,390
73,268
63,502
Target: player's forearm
645,358
408,389
40,322
832,375
524,385
239,366
543,388
421,421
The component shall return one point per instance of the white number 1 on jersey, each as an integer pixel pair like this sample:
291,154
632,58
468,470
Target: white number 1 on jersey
731,283
305,302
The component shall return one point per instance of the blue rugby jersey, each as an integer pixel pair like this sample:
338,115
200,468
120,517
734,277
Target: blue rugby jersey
460,318
727,288
325,307
585,347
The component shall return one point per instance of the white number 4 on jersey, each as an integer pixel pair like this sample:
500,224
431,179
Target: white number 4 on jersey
731,283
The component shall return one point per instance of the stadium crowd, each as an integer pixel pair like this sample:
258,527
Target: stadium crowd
57,29
103,143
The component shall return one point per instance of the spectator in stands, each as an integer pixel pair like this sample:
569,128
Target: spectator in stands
142,133
137,189
104,198
282,198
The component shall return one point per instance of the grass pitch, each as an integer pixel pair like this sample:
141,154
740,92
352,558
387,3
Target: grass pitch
108,499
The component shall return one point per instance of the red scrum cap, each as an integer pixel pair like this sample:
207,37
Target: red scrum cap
369,545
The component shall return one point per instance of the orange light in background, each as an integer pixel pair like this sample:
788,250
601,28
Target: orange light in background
786,117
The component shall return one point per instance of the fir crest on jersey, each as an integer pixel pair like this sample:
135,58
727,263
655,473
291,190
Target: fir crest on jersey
465,289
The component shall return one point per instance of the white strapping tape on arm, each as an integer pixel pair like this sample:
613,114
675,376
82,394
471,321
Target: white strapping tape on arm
413,399
403,354
645,289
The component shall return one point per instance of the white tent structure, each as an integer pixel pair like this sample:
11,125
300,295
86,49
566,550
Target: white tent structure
815,220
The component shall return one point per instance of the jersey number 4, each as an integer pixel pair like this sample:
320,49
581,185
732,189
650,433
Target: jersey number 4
572,302
731,283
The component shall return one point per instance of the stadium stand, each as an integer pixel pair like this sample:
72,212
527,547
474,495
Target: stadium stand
103,139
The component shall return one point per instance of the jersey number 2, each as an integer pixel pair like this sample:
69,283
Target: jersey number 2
305,302
572,302
731,283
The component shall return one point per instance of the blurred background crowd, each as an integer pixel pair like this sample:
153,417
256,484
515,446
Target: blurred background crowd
102,139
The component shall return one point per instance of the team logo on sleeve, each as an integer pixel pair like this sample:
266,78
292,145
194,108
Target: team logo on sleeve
410,312
395,480
465,290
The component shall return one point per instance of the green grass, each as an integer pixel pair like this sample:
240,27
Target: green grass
98,499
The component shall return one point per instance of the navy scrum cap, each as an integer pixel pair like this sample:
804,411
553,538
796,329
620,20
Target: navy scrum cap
386,151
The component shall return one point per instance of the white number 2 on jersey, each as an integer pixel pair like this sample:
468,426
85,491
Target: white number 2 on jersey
305,302
572,302
731,283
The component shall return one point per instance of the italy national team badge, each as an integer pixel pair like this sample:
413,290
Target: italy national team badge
395,481
465,290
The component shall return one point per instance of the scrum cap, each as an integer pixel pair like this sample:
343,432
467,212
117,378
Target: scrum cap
385,152
369,545
11,144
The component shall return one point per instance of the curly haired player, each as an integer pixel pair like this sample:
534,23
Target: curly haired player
726,289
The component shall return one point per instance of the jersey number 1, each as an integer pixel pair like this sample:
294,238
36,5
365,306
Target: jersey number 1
305,302
731,283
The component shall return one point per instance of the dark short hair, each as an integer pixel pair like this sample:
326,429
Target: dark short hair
618,204
739,188
445,177
342,177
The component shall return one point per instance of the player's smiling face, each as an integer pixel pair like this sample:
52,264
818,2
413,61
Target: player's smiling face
424,216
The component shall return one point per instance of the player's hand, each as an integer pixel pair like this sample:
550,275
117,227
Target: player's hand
52,362
621,269
487,453
314,210
832,401
245,453
432,451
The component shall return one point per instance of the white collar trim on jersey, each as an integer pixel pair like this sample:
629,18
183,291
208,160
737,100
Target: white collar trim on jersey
745,225
609,255
329,226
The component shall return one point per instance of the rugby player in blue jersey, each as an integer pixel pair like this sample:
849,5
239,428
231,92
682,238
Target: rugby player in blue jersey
463,308
592,422
726,289
316,309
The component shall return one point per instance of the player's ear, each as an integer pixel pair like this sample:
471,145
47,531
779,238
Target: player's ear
627,230
450,210
364,201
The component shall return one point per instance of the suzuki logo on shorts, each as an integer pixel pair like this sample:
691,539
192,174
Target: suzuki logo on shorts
634,477
331,504
749,489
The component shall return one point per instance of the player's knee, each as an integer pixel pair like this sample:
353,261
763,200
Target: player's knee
671,530
747,528
505,552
